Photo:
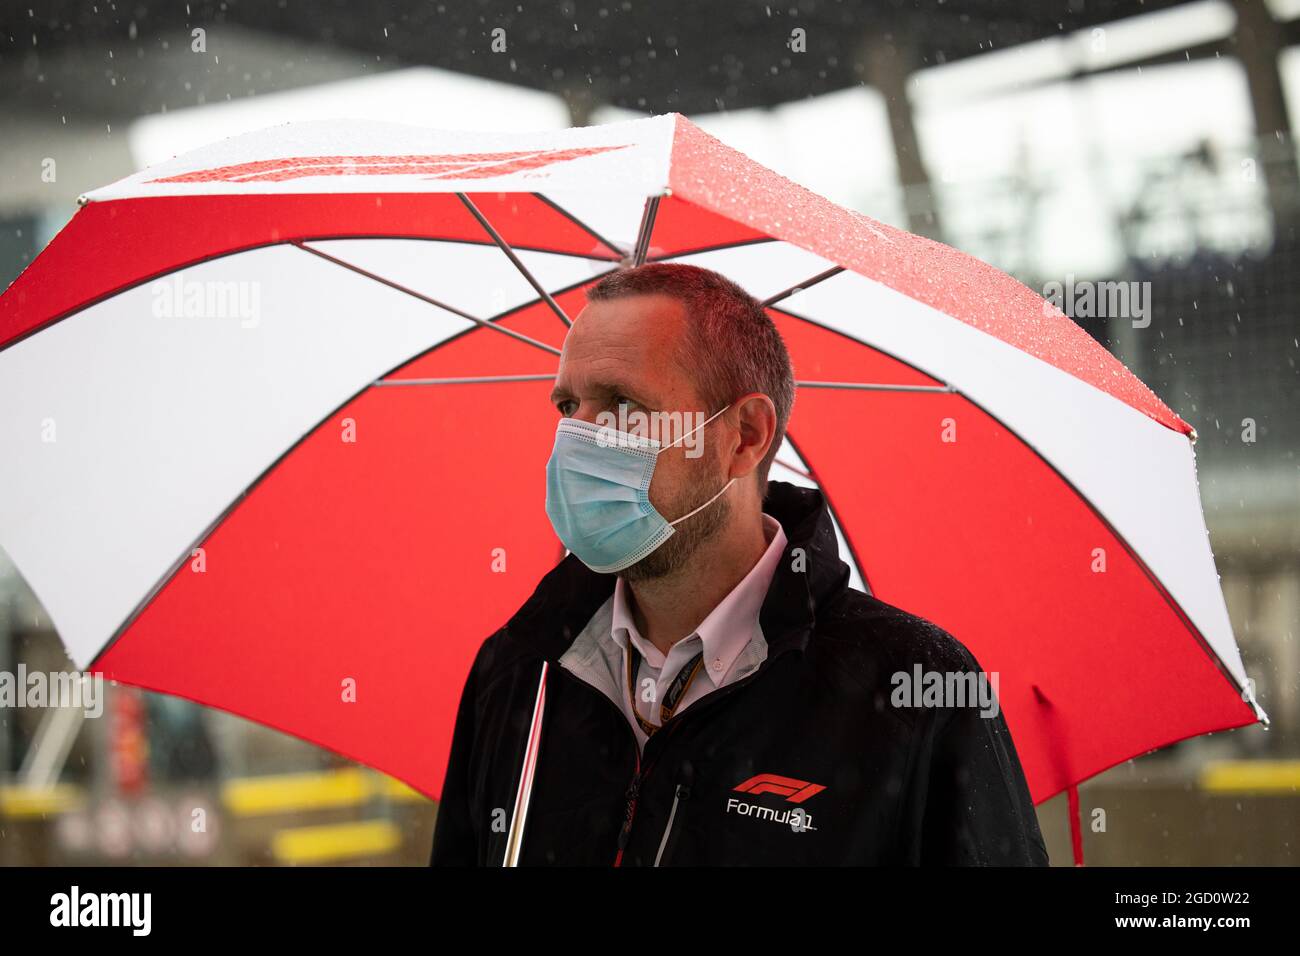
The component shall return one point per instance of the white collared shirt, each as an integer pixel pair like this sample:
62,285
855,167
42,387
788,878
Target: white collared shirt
730,638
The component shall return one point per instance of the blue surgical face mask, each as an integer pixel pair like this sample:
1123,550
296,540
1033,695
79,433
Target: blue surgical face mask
598,494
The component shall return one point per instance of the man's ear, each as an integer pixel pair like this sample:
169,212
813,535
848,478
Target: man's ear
756,422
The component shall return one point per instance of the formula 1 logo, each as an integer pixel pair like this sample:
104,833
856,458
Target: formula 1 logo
441,166
795,791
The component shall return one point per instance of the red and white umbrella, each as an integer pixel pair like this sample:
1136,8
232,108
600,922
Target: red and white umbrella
274,418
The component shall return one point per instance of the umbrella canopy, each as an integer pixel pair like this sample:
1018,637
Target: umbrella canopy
275,419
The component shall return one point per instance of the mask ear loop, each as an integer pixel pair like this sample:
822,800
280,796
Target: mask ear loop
706,504
724,487
695,429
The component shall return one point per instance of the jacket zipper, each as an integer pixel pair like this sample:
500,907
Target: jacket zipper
629,807
633,793
634,790
681,793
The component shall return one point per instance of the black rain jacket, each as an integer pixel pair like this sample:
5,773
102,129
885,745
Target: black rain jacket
805,761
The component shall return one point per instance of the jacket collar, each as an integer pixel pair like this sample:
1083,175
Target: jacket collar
808,575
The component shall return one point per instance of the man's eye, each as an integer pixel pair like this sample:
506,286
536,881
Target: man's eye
566,407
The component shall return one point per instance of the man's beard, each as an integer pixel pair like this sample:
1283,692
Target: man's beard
674,554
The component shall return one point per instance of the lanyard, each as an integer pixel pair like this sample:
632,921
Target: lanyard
672,697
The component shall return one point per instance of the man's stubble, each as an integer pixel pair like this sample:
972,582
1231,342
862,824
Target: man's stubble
675,554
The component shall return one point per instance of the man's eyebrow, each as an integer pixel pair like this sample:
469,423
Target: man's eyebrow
599,388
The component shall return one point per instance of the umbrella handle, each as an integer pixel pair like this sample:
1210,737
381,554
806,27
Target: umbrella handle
1076,830
514,836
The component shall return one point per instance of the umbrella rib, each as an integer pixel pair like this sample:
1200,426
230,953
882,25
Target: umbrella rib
852,385
514,259
620,253
877,386
686,252
648,216
472,379
424,298
819,277
464,380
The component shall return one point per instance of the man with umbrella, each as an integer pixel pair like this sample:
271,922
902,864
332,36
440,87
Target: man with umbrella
696,683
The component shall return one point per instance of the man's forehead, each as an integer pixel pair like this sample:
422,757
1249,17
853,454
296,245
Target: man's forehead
633,319
634,339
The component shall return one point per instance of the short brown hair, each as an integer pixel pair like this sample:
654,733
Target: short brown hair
731,347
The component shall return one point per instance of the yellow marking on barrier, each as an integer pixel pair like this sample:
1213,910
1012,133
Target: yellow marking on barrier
1251,776
341,841
394,789
295,792
324,790
20,801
